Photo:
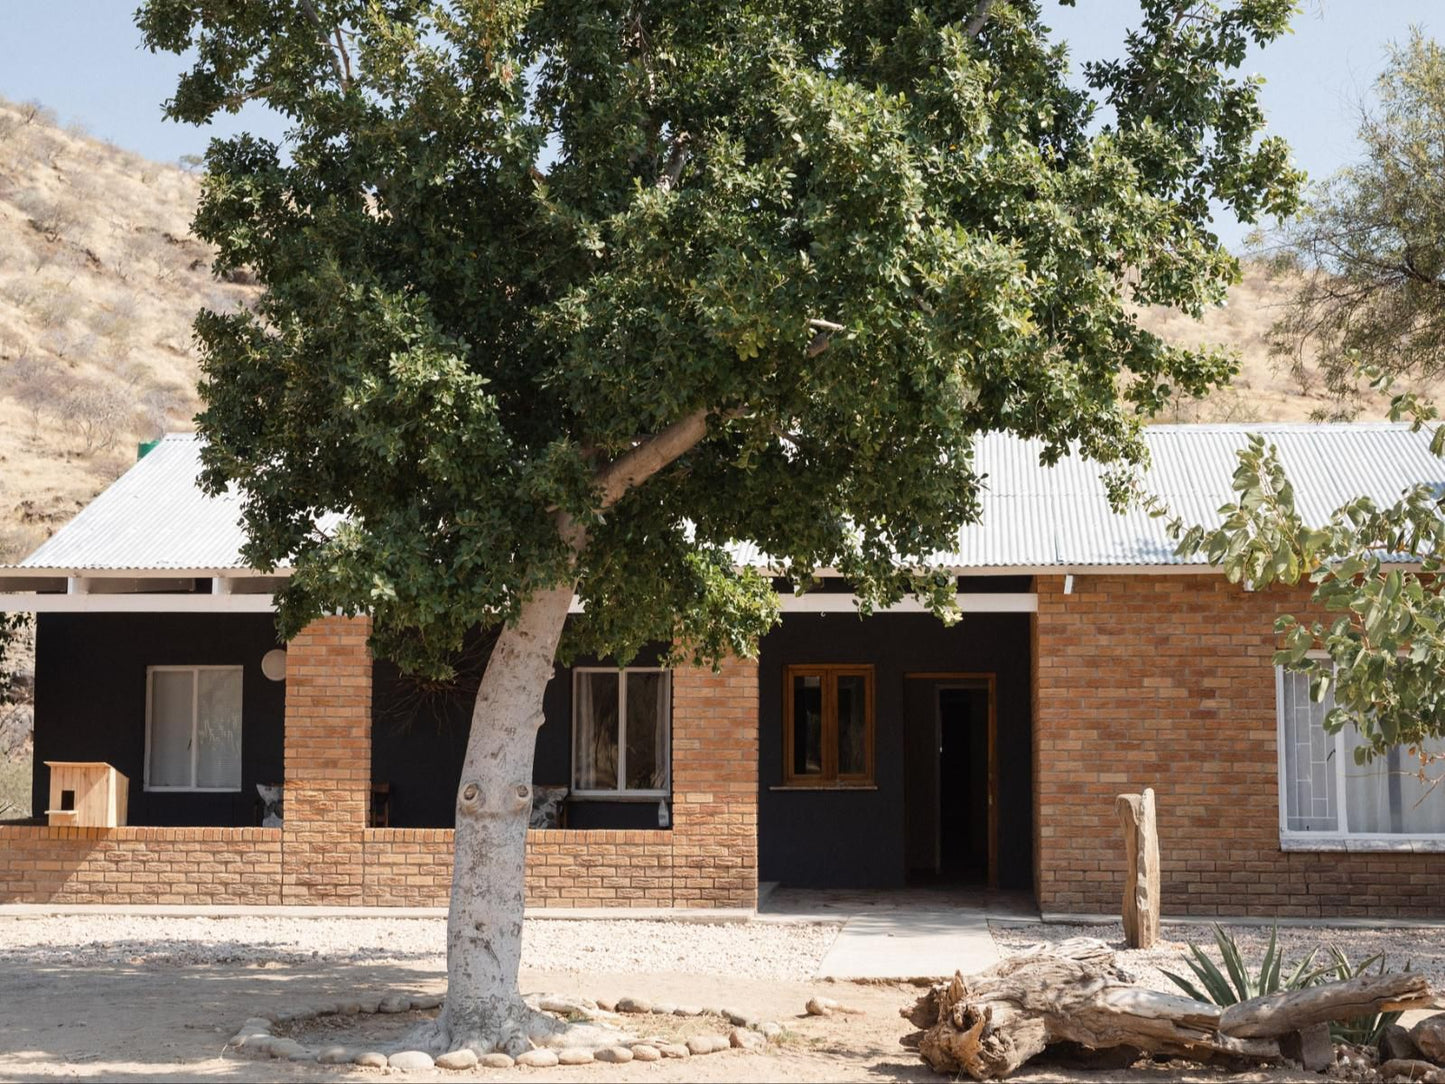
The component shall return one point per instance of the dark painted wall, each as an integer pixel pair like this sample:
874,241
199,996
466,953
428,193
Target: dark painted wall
854,839
90,696
417,745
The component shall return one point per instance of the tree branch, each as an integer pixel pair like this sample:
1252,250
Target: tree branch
640,463
342,76
980,17
675,161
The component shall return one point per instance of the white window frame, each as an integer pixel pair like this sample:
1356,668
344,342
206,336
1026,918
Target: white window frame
195,722
620,794
1293,839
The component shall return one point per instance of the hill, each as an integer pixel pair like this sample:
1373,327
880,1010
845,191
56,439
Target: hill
99,282
100,279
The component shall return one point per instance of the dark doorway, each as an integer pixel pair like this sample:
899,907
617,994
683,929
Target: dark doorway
963,784
951,779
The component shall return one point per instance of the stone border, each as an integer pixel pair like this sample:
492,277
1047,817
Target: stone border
749,1033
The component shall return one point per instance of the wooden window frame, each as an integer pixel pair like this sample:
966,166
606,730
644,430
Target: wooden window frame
829,778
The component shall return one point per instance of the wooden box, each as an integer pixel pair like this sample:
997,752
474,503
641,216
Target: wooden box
86,795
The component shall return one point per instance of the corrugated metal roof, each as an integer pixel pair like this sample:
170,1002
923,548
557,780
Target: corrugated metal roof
155,518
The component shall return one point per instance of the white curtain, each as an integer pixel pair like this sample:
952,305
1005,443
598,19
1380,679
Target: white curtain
584,761
1387,795
660,729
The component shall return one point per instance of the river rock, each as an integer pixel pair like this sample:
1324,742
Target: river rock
283,1048
537,1059
371,1059
607,1004
1396,1044
687,1010
410,1061
770,1029
427,1001
634,1005
664,1008
304,1054
575,1055
335,1055
496,1060
745,1039
348,1008
1415,1071
673,1050
707,1044
368,1004
1429,1036
614,1055
460,1059
644,1052
737,1019
394,1003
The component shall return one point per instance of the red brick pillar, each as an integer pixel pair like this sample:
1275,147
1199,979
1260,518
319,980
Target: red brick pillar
715,785
328,762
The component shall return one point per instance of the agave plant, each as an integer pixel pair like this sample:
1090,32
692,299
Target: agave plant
1360,1030
1235,983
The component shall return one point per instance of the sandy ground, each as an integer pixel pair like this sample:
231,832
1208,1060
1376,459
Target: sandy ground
130,998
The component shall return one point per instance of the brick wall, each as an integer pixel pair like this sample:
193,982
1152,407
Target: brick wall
325,854
199,866
328,762
715,786
1168,681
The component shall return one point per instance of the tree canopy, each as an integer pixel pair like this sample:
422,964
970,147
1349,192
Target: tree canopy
506,246
1371,239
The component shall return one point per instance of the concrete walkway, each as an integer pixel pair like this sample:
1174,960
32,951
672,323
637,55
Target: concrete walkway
909,944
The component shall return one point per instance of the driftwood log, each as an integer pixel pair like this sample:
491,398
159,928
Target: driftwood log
988,1025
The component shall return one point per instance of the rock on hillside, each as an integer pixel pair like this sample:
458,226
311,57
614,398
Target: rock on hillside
99,282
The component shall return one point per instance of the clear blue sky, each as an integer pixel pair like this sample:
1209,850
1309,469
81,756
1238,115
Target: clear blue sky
84,59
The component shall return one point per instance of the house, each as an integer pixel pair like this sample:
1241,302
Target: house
875,752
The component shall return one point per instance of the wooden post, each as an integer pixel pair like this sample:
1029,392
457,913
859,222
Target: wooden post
1141,871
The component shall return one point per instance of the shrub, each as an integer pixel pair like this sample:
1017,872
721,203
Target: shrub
1235,983
1359,1030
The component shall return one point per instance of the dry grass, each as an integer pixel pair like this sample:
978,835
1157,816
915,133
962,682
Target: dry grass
99,281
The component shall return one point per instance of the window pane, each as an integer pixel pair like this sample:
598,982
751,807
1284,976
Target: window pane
171,704
1311,802
807,751
1386,795
218,730
852,724
646,730
594,731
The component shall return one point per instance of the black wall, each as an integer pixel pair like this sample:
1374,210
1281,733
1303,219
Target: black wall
855,838
418,741
90,697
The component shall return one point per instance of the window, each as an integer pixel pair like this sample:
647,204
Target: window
193,728
1325,794
621,740
828,726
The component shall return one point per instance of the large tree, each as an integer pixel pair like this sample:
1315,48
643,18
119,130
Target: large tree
1369,246
563,297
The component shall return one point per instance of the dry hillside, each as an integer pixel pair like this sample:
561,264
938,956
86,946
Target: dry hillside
99,279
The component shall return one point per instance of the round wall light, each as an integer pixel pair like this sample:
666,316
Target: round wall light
273,664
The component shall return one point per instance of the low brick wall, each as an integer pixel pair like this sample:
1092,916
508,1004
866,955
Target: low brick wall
400,867
200,866
1168,682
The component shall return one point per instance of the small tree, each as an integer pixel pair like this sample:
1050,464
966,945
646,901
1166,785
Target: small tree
563,298
1371,241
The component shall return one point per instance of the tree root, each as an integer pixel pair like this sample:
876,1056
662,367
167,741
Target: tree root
512,1032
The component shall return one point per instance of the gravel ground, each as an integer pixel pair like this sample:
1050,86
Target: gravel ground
1423,949
745,950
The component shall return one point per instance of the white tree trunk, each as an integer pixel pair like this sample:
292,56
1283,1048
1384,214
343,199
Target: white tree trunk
484,1009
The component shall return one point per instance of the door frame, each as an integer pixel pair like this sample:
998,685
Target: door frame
962,679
